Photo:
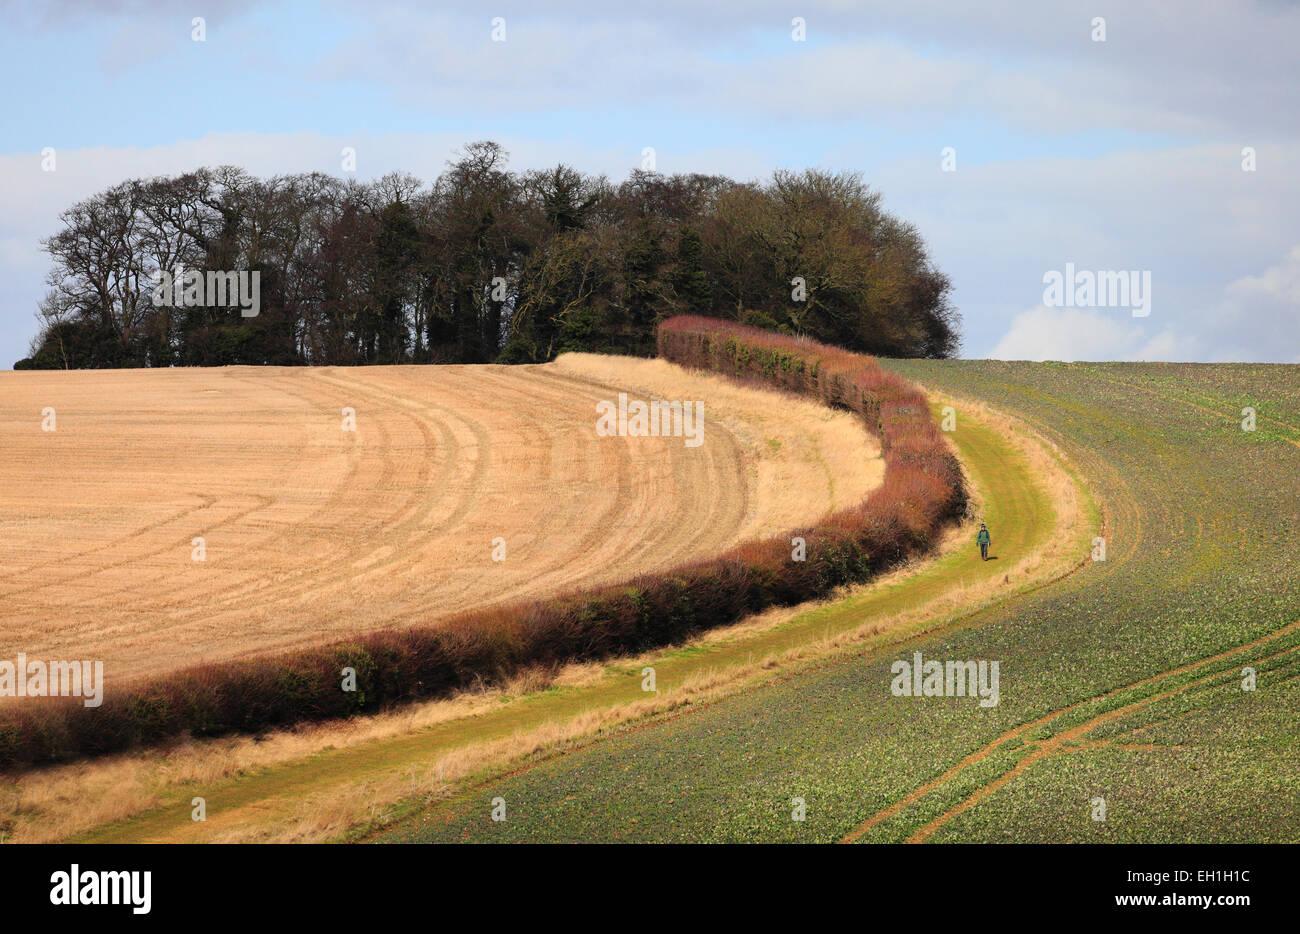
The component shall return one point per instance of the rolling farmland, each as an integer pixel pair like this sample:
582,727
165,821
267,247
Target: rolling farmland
312,533
1120,679
1121,684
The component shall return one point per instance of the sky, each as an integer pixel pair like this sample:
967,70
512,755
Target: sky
1023,140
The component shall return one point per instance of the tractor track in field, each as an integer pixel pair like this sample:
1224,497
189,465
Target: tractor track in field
1057,741
1054,743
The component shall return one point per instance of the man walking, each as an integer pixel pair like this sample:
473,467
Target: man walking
984,542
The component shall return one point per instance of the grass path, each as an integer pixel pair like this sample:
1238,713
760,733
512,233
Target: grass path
1005,485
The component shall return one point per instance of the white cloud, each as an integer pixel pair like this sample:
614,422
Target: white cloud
1070,334
1257,318
1188,214
1279,284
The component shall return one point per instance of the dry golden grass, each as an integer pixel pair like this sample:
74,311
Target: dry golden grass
314,533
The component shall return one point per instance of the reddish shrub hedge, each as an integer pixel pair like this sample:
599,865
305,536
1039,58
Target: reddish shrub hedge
922,491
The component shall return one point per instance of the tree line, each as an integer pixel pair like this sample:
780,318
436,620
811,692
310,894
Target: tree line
482,265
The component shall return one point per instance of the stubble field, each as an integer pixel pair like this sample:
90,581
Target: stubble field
312,533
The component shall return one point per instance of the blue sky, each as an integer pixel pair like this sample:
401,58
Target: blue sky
1123,154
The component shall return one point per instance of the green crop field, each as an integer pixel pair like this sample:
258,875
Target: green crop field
1122,687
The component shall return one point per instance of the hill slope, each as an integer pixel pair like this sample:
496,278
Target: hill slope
1121,683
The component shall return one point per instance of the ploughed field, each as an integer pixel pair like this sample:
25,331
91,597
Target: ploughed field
1150,697
459,487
